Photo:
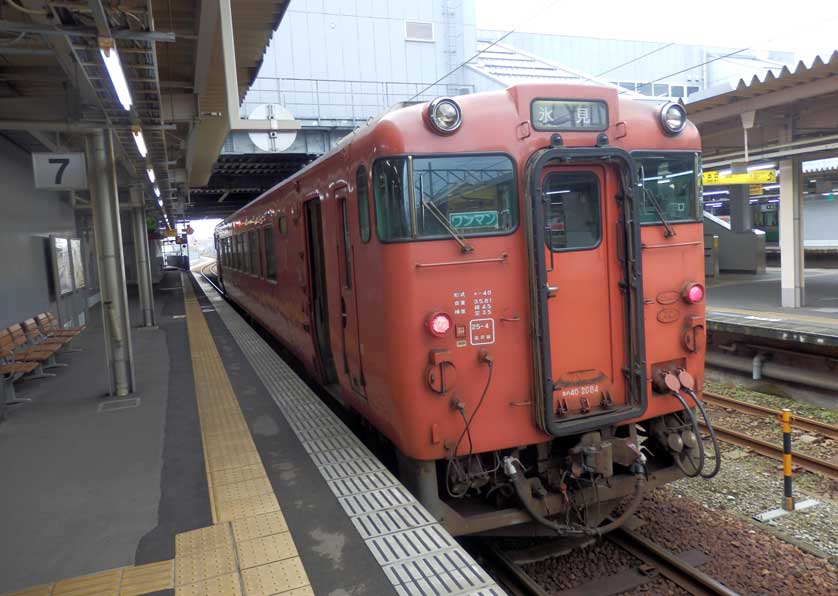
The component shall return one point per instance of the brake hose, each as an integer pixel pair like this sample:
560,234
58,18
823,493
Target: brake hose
717,453
694,426
522,487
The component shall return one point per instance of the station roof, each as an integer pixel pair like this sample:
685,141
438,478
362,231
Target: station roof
54,86
768,82
790,112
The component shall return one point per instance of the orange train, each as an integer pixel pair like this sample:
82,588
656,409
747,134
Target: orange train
508,286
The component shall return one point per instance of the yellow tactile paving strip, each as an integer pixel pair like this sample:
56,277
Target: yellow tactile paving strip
248,551
124,581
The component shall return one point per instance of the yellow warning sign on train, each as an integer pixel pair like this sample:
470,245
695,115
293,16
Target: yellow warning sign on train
755,177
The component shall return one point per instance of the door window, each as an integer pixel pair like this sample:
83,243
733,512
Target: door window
363,203
573,212
347,247
270,260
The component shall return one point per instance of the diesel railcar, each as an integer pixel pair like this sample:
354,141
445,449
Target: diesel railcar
508,287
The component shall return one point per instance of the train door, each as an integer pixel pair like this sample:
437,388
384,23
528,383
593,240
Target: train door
348,306
582,279
319,298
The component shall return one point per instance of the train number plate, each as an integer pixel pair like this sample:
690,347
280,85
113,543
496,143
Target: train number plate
481,332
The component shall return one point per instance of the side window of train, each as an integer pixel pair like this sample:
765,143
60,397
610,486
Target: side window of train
283,225
574,219
363,203
253,252
270,256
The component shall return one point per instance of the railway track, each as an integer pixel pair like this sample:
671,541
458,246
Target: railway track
807,462
808,424
774,451
655,561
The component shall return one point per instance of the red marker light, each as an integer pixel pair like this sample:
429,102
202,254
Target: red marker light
439,324
693,293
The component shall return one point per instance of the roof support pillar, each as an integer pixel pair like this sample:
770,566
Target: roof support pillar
792,271
108,233
143,266
741,214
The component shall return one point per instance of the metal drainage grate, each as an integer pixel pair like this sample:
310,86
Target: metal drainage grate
114,405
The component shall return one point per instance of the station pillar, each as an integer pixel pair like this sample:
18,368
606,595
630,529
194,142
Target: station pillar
140,233
107,229
741,214
792,272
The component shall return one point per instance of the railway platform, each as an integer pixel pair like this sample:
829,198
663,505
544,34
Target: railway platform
748,305
224,474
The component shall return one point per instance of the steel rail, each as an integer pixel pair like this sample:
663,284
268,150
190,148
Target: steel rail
807,462
801,422
513,576
693,580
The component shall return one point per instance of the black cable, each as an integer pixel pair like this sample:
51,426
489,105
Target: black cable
488,47
694,426
672,74
467,431
717,452
633,60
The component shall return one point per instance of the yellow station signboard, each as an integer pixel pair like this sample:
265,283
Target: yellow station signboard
754,177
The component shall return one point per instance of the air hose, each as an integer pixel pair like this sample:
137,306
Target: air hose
717,453
694,426
522,489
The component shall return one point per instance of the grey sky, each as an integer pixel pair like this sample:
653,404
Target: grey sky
806,27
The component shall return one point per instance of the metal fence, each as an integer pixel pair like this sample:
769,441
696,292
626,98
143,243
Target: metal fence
341,103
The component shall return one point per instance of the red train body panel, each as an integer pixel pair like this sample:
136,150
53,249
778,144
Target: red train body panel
549,291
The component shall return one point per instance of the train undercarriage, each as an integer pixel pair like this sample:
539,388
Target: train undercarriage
576,486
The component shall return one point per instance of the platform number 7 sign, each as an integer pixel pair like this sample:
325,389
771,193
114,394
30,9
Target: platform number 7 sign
59,171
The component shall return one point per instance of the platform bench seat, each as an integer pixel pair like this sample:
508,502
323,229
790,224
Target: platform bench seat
14,339
49,325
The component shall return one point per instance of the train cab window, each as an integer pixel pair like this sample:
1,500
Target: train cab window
574,217
669,184
435,197
363,203
270,256
253,253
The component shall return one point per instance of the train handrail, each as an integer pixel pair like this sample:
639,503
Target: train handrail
501,259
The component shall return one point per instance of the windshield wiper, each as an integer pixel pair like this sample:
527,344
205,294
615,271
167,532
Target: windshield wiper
440,217
668,231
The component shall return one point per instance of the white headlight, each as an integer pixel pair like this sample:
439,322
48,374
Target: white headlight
673,118
444,115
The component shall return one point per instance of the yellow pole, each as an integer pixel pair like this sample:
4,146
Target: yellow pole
788,499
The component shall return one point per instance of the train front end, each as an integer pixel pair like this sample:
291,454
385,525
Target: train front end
550,239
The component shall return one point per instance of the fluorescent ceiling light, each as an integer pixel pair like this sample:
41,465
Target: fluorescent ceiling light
710,193
140,141
156,191
160,202
724,172
151,177
676,174
762,166
771,187
120,84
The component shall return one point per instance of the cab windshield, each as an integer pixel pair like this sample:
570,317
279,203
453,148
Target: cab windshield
418,198
670,180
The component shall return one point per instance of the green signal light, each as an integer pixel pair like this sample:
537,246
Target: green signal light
830,197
